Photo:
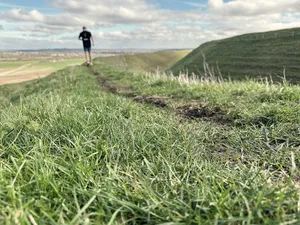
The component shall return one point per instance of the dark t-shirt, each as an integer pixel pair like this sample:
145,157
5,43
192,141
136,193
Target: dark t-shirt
86,38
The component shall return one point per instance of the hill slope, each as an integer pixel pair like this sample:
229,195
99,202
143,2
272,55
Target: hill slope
252,55
147,62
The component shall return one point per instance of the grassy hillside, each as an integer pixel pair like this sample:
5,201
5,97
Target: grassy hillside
147,62
250,55
82,147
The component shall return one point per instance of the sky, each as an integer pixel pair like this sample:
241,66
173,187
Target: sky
147,24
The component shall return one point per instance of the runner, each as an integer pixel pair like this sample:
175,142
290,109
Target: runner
86,37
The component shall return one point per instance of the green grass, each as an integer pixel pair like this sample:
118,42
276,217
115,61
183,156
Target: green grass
73,154
35,64
13,65
250,55
244,102
146,62
58,65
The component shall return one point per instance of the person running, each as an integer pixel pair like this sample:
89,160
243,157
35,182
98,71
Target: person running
86,37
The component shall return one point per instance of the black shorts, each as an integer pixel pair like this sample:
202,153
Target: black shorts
87,49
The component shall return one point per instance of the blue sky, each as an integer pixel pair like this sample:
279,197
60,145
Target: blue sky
138,23
180,5
166,4
28,4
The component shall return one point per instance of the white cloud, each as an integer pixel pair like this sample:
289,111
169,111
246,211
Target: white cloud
13,6
22,15
1,27
157,35
252,7
215,4
45,28
36,43
151,26
110,11
93,13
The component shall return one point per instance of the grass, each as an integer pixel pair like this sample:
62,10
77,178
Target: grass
146,62
12,65
250,55
71,153
35,64
244,102
58,65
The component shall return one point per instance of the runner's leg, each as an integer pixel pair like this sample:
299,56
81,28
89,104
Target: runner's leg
90,57
86,56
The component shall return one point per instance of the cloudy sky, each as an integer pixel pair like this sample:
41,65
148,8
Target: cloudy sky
34,24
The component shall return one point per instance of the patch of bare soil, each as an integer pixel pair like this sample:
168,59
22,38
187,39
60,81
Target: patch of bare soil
201,110
156,101
103,82
125,92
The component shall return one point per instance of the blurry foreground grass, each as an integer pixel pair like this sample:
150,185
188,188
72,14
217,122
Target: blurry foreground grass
74,154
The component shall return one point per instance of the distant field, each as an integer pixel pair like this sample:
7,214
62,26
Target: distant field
19,71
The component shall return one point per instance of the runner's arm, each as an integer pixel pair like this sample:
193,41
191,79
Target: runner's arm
80,37
92,40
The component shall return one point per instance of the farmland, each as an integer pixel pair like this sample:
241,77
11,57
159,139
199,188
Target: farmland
118,144
19,71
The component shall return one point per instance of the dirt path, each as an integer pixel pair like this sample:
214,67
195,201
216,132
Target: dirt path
193,111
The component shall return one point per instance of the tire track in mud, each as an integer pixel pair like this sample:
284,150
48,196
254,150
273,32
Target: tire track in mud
191,111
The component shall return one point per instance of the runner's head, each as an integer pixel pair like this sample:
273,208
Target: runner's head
84,28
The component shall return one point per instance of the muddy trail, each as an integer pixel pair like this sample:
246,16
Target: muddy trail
190,111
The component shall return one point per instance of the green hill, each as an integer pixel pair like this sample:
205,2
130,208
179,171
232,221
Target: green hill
250,55
146,62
